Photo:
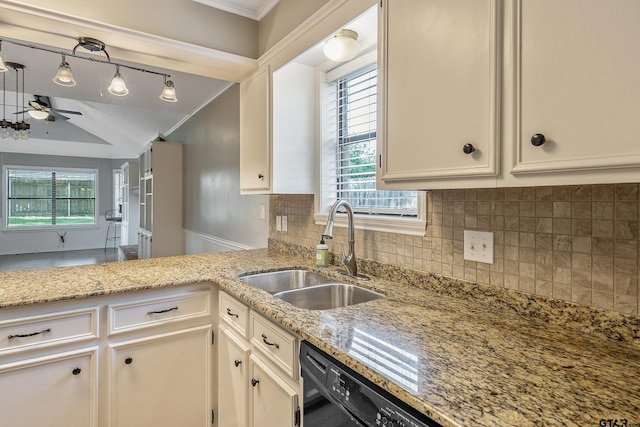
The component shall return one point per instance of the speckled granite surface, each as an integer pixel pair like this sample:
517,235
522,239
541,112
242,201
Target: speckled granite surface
462,354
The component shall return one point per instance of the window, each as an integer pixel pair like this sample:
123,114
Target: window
348,153
45,198
356,123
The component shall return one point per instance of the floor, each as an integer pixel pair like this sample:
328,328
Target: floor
57,259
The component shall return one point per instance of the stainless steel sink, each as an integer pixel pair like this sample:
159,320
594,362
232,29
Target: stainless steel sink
328,296
278,281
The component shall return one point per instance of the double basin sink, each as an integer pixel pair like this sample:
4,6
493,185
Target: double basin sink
310,290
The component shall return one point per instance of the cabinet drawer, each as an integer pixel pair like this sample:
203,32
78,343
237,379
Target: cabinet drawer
234,313
49,329
159,311
275,343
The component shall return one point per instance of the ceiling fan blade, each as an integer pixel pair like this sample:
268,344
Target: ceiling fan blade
58,116
78,113
22,112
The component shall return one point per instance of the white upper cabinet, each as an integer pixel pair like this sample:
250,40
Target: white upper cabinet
439,92
277,130
577,83
255,131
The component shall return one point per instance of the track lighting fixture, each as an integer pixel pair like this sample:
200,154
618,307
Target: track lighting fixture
64,76
118,87
169,92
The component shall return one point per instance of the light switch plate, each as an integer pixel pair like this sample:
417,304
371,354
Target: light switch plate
478,246
284,223
278,223
262,211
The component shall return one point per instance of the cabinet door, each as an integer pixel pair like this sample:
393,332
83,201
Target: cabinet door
255,131
577,83
233,379
56,391
272,401
162,381
439,90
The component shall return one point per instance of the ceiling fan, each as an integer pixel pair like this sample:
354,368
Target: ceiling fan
42,105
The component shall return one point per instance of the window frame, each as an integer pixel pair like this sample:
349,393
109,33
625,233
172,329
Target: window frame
326,175
5,198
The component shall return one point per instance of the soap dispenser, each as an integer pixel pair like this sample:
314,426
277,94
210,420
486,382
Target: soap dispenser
322,254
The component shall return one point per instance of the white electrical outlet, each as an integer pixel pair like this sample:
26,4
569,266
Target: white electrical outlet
284,223
478,246
278,223
262,211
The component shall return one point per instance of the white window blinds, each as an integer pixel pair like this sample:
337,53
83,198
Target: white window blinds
353,122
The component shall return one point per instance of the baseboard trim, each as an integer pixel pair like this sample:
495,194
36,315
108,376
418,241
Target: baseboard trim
206,243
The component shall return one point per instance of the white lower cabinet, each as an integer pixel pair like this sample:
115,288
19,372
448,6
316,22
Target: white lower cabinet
162,380
256,389
139,359
59,389
272,401
233,377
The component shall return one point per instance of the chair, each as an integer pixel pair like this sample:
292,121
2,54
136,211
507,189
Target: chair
114,217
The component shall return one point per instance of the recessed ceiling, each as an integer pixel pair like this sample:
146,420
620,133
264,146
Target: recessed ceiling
254,9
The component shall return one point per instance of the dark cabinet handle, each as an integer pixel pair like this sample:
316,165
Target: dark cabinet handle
128,360
260,176
237,362
29,335
538,139
468,148
76,371
254,382
264,340
232,314
149,313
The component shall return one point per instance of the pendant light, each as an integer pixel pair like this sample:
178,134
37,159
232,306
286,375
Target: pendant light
64,76
342,47
19,128
169,92
118,87
5,125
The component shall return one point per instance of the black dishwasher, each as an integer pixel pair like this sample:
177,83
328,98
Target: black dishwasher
336,396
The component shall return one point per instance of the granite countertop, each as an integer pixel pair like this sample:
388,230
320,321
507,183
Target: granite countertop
461,354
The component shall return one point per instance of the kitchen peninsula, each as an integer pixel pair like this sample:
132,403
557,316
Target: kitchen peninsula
482,356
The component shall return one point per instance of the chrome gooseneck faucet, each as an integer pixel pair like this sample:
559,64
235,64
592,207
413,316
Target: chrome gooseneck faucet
348,260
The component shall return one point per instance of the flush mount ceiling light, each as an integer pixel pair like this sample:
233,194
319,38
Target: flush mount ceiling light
169,92
64,76
343,46
118,87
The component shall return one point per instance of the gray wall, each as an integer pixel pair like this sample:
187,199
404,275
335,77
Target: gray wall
212,204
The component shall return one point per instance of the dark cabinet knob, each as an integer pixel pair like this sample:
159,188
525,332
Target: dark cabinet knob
538,139
237,362
468,148
76,371
254,382
260,176
128,360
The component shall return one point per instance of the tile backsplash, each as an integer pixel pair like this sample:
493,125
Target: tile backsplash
574,243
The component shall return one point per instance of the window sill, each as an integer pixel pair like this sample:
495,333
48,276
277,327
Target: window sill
34,229
407,226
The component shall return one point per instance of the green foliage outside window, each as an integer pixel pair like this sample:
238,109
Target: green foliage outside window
46,198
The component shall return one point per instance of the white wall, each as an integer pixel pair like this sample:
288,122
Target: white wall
32,241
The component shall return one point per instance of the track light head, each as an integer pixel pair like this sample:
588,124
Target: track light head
118,87
168,92
64,76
